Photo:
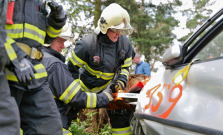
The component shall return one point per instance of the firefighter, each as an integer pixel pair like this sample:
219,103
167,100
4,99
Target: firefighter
69,98
28,27
103,54
9,112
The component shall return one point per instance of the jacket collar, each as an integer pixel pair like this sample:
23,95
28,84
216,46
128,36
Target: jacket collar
105,39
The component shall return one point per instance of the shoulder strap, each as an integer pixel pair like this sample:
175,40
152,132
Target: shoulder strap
121,50
91,40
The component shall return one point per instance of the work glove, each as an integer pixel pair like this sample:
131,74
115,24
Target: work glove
119,85
4,59
108,93
57,11
25,72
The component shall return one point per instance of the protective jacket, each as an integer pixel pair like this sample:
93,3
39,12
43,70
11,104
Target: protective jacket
34,29
31,29
113,56
64,89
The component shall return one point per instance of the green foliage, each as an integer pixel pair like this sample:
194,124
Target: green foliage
79,14
153,29
77,127
197,15
106,130
85,127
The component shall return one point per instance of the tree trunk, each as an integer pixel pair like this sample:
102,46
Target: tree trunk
97,12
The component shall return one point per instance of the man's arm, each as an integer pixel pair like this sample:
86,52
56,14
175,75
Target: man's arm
146,68
57,19
68,90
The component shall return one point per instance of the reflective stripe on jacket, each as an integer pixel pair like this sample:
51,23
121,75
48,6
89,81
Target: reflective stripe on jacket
33,27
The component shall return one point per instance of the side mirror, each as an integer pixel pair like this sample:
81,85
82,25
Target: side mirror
172,55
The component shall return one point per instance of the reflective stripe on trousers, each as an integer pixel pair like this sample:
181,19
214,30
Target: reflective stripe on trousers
66,132
121,131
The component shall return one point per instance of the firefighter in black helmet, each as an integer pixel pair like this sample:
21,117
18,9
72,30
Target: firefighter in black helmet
100,55
28,27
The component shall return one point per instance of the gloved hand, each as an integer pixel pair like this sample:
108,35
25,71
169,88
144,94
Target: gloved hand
119,85
108,93
25,72
57,11
4,59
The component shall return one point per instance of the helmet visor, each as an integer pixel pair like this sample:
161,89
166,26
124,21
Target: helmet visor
124,27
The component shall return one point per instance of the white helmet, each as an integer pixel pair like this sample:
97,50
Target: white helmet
115,17
66,33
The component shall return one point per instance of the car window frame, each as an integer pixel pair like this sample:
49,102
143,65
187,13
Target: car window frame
189,53
203,41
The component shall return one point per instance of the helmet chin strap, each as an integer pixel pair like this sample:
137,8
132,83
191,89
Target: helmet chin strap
97,30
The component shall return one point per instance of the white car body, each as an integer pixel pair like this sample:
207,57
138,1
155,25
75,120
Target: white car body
195,105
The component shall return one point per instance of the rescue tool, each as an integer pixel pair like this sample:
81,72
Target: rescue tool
130,98
127,99
128,95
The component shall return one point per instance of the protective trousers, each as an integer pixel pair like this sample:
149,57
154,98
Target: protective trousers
9,113
120,121
38,111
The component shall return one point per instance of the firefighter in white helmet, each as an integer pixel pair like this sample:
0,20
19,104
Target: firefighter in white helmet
68,99
59,77
101,56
